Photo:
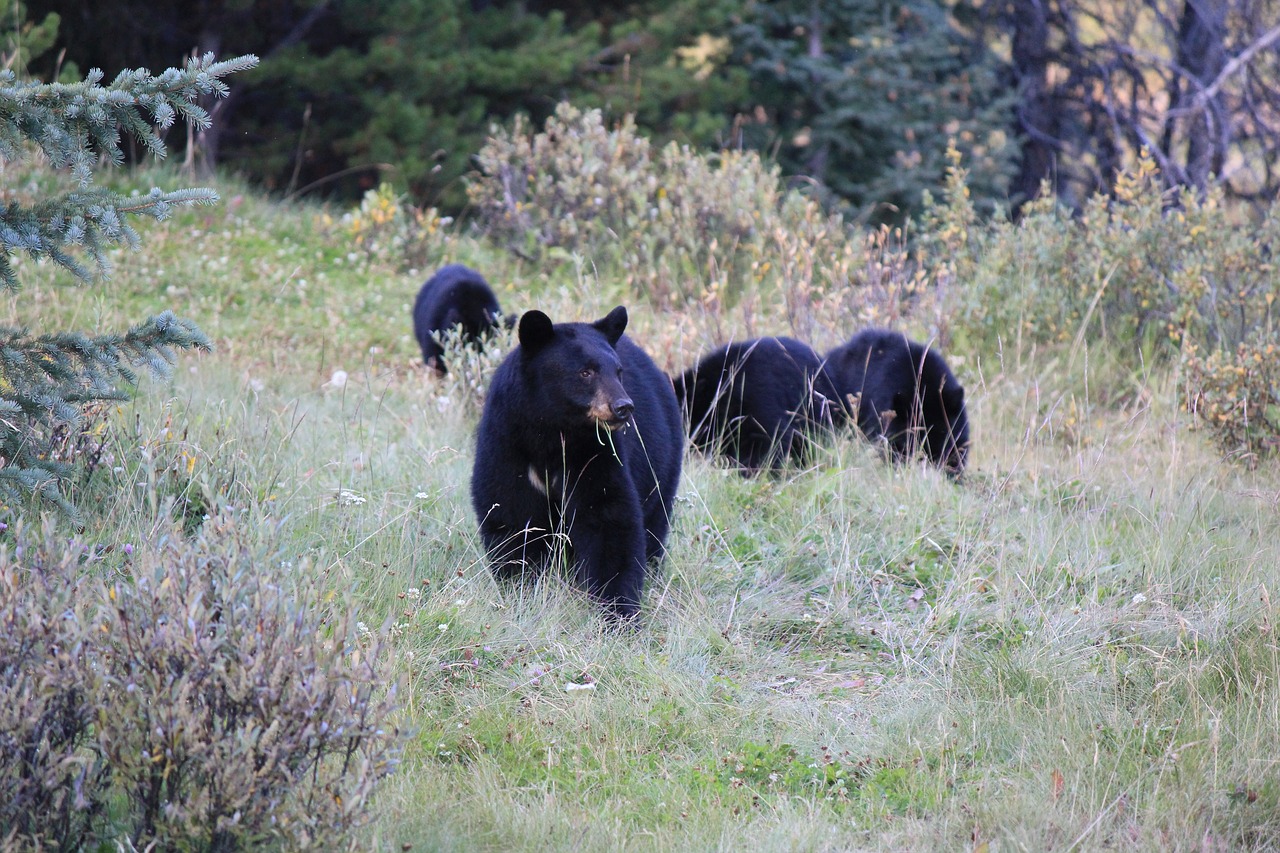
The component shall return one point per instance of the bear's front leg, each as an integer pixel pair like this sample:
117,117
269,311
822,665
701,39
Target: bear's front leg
608,540
516,551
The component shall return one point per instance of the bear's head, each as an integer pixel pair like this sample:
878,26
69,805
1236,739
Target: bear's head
575,370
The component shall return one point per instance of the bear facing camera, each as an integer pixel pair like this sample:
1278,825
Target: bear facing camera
578,452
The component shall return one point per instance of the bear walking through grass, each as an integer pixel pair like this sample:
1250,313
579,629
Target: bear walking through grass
456,297
905,395
758,402
579,445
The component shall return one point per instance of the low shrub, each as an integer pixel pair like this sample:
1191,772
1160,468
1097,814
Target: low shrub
1158,274
1235,395
385,229
708,230
1143,266
53,784
182,696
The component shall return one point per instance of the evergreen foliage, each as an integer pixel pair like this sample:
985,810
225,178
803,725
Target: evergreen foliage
21,40
47,380
863,95
358,92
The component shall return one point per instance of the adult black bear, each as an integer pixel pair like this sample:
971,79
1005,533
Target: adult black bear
579,444
455,297
758,402
905,395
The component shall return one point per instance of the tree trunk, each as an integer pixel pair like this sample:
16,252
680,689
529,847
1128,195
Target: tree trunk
1037,121
1201,55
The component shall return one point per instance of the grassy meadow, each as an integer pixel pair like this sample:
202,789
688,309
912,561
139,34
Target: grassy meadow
1072,650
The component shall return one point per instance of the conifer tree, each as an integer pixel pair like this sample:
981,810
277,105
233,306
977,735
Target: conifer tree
47,380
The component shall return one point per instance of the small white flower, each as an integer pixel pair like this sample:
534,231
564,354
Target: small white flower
573,686
337,380
1138,598
443,403
442,627
346,497
422,496
256,385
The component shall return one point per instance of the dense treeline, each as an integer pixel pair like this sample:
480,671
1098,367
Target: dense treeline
857,97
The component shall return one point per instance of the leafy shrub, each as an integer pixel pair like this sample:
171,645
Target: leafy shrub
52,784
1145,266
1236,394
471,369
189,701
1162,273
386,229
716,230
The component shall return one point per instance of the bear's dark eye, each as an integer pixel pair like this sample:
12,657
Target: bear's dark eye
586,373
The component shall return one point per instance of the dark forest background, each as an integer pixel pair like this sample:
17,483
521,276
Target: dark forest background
857,99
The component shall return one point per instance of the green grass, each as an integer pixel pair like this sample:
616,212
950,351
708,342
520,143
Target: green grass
1073,650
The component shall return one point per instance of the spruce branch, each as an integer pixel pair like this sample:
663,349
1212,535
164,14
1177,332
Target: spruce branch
74,123
88,219
48,382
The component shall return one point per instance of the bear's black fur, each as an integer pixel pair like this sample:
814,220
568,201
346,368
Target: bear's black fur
905,395
580,440
456,296
758,402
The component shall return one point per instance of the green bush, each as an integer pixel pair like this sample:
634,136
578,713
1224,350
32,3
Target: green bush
181,696
1143,266
686,228
386,229
1235,394
1158,274
52,783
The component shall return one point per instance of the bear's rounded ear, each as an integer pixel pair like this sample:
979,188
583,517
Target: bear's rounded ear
536,330
613,325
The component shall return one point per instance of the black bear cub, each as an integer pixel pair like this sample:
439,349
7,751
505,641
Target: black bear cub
579,446
905,395
758,402
455,297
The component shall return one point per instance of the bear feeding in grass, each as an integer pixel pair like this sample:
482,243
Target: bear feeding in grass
455,297
758,402
905,395
579,446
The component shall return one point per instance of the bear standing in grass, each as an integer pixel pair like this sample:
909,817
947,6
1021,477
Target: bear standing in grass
758,402
580,444
905,395
455,297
